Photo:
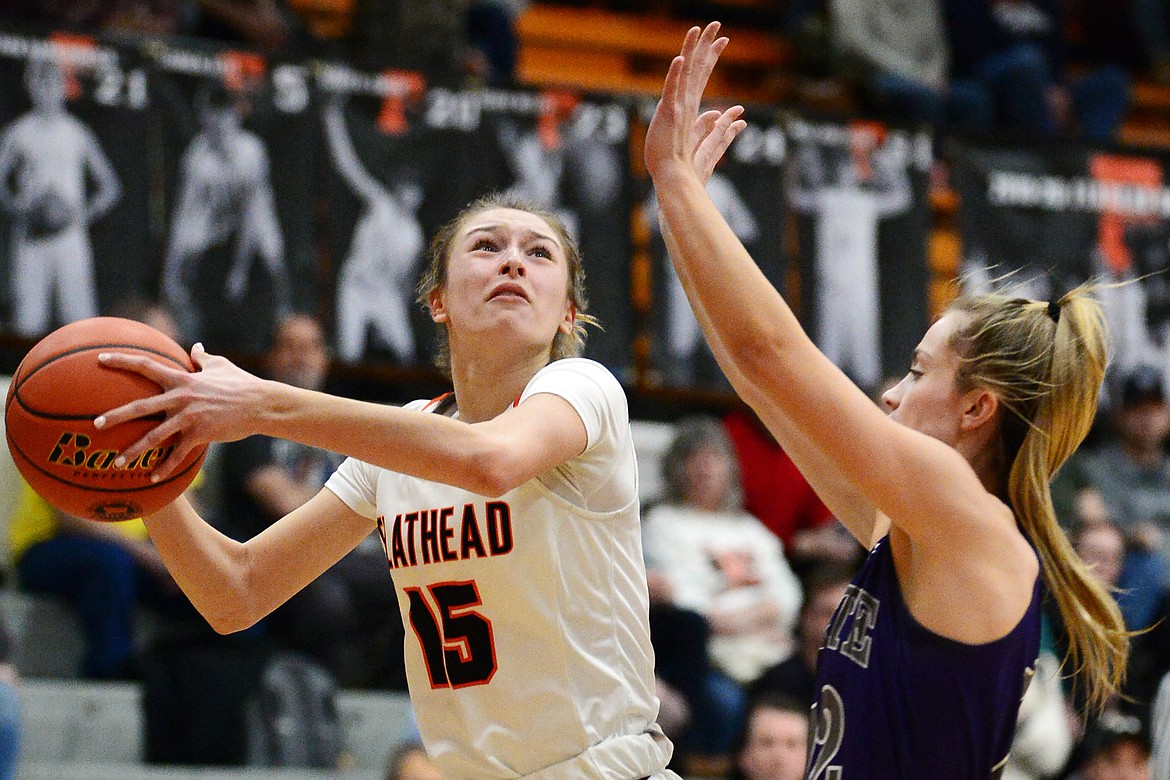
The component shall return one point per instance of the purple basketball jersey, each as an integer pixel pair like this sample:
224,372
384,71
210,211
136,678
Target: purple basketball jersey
896,701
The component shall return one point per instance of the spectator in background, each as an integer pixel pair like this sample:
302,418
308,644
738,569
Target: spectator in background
1017,49
1127,481
1043,738
795,677
774,741
720,586
11,727
896,52
1102,546
717,559
104,571
346,619
1160,731
776,493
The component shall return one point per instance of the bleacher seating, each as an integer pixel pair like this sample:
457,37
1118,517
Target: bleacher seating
76,729
597,49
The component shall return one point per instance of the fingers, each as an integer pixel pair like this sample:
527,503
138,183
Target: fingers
159,373
199,355
712,147
703,126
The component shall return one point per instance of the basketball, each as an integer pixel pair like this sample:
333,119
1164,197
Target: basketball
58,390
50,215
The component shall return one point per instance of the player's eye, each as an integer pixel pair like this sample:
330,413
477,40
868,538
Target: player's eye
484,244
541,251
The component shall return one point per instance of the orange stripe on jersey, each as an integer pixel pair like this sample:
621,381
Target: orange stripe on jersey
435,401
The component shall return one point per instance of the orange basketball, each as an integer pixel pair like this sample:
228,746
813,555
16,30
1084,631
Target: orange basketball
58,390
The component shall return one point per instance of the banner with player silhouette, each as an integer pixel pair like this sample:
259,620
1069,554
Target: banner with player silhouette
387,189
1039,220
238,149
73,180
568,153
859,191
403,159
746,187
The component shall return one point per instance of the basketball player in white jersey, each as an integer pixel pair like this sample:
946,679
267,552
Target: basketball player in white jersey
373,287
508,511
49,154
870,185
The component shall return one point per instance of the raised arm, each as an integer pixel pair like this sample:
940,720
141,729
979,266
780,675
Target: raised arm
795,389
344,156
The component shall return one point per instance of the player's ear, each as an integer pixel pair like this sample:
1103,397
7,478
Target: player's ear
979,408
437,306
569,321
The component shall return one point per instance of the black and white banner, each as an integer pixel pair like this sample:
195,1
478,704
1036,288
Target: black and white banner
237,151
747,189
74,231
1038,221
860,191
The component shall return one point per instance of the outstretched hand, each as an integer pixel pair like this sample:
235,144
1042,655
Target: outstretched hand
676,140
214,403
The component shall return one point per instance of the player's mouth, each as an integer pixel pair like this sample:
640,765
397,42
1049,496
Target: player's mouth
508,290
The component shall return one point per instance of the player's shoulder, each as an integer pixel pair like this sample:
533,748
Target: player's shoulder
576,369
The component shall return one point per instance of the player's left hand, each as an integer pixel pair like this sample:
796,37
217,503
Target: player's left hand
675,140
218,402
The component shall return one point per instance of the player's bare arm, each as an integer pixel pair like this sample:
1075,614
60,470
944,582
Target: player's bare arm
221,402
902,472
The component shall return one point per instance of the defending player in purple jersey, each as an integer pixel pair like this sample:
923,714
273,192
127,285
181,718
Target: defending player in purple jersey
925,662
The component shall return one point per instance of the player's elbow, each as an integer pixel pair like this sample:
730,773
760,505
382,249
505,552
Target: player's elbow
229,618
492,470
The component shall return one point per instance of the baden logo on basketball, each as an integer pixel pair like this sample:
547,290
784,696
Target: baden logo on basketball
116,510
72,450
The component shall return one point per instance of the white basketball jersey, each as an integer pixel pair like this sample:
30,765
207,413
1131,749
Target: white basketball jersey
527,645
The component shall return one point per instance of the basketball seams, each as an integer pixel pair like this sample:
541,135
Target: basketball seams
21,379
159,417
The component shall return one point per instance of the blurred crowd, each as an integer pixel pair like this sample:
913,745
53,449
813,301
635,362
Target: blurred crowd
451,40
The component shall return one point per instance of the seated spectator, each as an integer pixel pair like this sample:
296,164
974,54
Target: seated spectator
897,53
717,559
346,619
105,571
1102,546
409,761
1115,747
775,740
1127,482
775,492
1017,50
795,677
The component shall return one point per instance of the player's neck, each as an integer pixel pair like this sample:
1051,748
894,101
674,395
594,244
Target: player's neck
487,383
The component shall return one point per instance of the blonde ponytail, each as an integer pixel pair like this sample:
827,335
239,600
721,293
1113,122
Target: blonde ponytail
1046,362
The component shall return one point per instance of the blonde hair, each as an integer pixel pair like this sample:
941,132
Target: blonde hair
435,278
1045,362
